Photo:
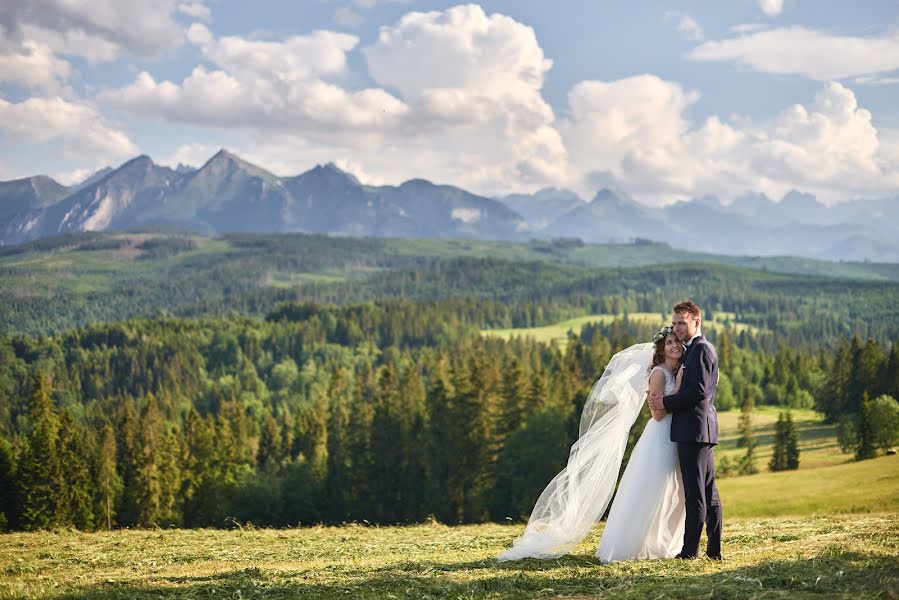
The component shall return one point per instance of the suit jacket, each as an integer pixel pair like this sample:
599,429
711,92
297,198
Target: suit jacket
694,418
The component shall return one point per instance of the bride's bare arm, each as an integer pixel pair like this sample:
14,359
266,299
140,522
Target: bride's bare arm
677,379
657,386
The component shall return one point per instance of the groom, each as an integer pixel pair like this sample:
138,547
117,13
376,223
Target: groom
694,426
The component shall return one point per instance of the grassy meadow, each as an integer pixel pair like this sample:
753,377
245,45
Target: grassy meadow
827,532
817,551
558,332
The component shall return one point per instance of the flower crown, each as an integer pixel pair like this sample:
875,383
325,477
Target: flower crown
663,333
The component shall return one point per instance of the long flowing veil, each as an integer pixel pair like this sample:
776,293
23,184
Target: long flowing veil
576,498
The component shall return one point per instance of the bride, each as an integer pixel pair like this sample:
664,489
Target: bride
646,520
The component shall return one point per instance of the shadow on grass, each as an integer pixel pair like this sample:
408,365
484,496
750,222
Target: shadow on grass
831,573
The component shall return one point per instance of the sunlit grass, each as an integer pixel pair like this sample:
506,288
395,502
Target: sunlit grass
856,487
847,556
818,444
558,332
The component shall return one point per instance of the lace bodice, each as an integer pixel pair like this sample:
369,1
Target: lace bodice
669,378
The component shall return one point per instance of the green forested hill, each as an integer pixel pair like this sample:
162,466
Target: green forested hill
59,283
299,379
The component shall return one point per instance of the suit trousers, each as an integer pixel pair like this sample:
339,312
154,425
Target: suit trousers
703,504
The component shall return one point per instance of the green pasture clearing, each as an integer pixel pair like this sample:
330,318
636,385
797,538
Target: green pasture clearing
818,446
836,556
558,332
868,486
285,279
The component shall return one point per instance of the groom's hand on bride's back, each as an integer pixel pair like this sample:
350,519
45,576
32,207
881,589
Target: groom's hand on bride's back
655,401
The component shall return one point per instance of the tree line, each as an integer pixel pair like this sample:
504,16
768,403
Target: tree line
388,412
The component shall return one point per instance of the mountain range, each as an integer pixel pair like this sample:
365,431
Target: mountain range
230,194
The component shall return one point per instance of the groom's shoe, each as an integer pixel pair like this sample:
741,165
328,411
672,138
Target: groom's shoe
684,557
714,557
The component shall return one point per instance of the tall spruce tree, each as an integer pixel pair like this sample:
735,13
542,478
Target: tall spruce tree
779,457
128,452
446,493
270,454
338,484
833,400
865,430
414,433
40,472
386,437
9,485
75,454
747,440
109,483
792,439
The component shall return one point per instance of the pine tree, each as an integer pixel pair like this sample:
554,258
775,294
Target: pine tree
512,412
269,454
157,475
9,485
833,400
75,454
201,479
477,411
41,475
747,463
725,352
779,458
890,379
359,432
446,493
413,426
128,455
865,431
386,450
109,484
792,439
338,484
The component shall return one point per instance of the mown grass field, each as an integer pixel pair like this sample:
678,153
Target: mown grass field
818,446
786,535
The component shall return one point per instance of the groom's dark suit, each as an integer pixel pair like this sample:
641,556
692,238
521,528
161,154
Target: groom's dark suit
694,426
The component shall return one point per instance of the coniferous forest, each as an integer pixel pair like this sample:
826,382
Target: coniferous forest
206,399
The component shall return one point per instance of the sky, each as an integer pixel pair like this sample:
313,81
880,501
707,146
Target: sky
665,101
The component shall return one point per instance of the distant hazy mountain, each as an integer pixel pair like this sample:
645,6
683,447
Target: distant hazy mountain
230,194
753,224
610,217
94,178
544,207
113,202
32,193
23,200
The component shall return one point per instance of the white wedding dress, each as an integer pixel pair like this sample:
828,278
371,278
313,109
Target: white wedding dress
647,517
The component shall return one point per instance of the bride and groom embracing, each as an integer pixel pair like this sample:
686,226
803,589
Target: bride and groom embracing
668,491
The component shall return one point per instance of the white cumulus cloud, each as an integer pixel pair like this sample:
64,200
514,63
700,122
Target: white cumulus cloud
806,52
198,10
77,27
634,134
690,28
473,82
80,127
347,17
264,84
34,66
772,8
471,110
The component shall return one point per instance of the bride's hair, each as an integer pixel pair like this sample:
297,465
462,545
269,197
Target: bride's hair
658,346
